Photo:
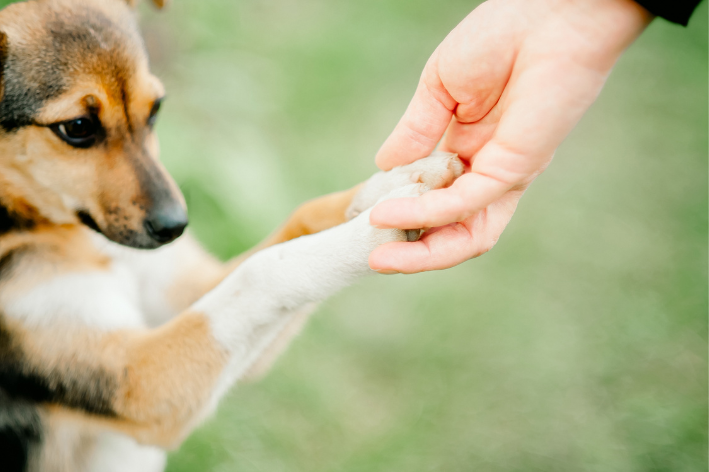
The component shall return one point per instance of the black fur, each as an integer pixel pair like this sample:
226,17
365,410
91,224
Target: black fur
10,221
32,72
23,96
20,423
82,387
7,221
20,432
23,390
8,260
82,41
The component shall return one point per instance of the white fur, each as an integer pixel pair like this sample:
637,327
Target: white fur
254,303
247,310
434,172
98,299
118,453
155,271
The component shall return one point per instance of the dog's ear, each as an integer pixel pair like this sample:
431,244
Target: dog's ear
159,4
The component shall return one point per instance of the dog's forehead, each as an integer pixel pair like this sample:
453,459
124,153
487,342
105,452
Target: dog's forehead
73,35
53,43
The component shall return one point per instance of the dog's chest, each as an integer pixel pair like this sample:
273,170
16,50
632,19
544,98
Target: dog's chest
105,299
46,292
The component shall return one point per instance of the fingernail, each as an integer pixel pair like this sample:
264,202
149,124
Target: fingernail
388,271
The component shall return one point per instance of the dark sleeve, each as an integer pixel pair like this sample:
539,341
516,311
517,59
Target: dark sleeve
676,11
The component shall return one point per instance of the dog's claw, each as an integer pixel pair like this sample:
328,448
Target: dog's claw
436,171
413,235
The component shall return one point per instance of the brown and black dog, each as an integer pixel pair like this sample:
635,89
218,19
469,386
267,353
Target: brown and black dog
109,353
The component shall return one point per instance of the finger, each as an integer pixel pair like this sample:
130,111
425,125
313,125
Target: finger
466,139
476,60
534,119
469,194
445,248
423,123
408,258
495,171
466,75
450,245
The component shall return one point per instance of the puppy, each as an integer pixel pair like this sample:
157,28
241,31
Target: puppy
115,339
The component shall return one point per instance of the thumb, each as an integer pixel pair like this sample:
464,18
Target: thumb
423,124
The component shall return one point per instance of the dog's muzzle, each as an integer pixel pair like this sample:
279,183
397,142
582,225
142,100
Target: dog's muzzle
166,224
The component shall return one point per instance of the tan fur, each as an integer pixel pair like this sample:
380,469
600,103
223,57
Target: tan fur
48,251
163,377
156,384
170,373
67,445
37,167
161,360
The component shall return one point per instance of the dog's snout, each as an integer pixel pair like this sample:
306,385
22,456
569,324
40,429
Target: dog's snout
166,224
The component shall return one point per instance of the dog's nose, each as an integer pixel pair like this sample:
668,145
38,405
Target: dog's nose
166,224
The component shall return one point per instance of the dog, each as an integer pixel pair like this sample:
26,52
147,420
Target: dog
117,338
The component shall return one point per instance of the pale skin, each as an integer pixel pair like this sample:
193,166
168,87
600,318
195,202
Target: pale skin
502,90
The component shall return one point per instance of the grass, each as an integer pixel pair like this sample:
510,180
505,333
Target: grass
578,344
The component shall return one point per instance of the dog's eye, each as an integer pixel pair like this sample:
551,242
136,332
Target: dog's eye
80,132
154,112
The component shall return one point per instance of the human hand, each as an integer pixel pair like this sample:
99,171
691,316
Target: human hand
505,86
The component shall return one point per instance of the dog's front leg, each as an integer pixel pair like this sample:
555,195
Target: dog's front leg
251,307
156,385
436,171
177,275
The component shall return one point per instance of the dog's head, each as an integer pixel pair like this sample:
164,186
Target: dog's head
76,123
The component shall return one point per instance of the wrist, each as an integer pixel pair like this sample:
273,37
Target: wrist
612,24
592,33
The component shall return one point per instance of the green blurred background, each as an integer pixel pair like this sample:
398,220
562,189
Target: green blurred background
578,344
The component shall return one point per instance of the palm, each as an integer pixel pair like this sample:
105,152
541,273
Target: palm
508,93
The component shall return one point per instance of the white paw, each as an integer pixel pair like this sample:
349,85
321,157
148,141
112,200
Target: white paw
438,170
373,237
